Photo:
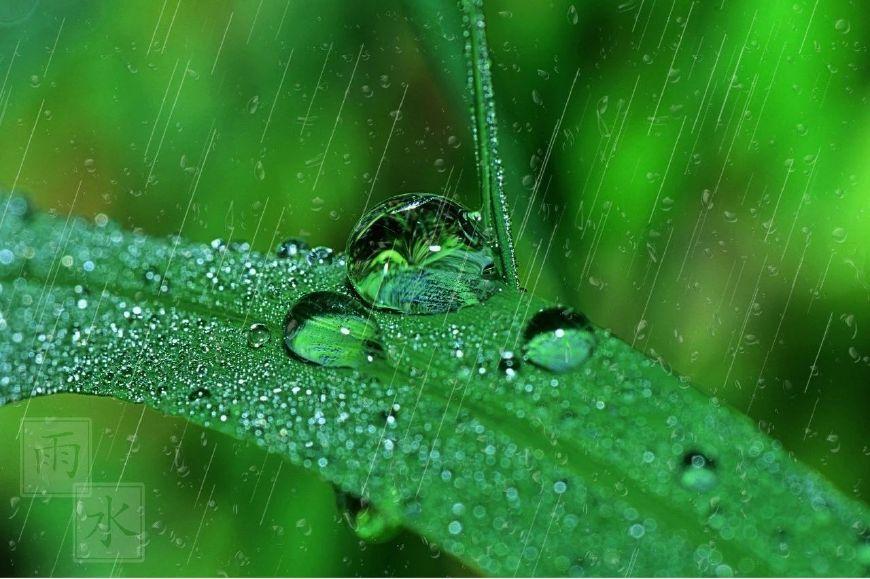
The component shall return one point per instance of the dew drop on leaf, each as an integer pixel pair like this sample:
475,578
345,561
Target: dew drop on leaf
558,339
19,207
367,521
842,26
509,364
420,254
154,278
253,104
198,394
573,16
698,472
320,255
291,247
258,335
332,330
12,13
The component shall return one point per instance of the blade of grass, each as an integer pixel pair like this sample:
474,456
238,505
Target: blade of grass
496,215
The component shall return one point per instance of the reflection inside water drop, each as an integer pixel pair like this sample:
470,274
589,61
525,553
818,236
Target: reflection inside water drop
420,254
558,340
333,330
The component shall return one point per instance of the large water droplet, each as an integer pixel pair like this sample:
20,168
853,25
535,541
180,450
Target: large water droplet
558,339
368,522
698,472
421,254
332,330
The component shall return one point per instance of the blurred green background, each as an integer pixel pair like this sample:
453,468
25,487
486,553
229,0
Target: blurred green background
693,175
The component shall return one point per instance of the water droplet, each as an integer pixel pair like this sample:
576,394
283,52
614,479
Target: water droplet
291,247
332,330
509,364
368,522
12,13
199,394
558,340
839,234
19,207
573,16
258,335
698,472
319,255
842,26
259,170
636,531
420,254
156,280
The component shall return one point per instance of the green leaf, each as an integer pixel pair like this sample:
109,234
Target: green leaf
618,467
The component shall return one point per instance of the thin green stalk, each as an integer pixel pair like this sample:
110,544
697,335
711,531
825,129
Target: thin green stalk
496,217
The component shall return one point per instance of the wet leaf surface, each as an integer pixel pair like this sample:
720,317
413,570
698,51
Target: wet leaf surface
617,466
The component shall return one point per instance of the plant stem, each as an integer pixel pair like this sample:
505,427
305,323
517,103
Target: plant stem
496,217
